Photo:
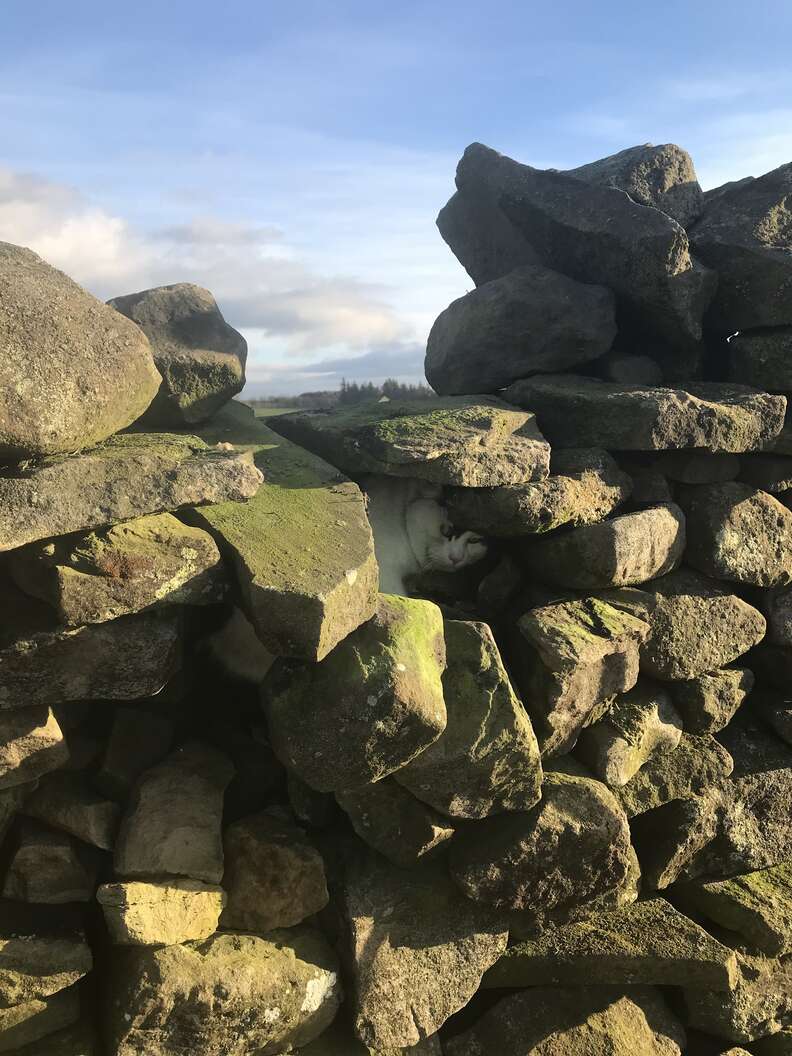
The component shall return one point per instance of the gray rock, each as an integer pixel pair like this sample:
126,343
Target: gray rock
200,357
137,740
127,476
469,441
50,868
370,706
277,992
659,176
574,411
31,744
738,533
73,371
160,913
487,759
762,358
745,235
710,701
532,319
29,1023
417,951
669,837
622,551
172,823
66,801
584,486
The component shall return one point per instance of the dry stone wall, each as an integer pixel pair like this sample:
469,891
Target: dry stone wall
540,806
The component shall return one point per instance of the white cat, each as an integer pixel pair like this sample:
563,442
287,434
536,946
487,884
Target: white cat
412,531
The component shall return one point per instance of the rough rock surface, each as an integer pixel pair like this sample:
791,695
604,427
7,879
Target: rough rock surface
136,741
710,701
160,912
532,319
370,706
762,358
39,955
50,868
574,411
418,951
670,836
58,340
276,992
67,801
692,768
200,357
487,759
27,1024
31,744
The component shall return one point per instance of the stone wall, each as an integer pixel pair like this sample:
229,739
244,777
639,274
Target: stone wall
543,805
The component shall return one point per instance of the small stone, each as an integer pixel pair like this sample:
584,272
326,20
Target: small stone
370,706
32,1021
67,802
487,759
50,868
621,551
669,837
708,702
31,744
575,411
172,824
138,739
273,875
394,823
637,724
762,358
160,913
200,357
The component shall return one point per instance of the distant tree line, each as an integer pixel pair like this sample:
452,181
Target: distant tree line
350,392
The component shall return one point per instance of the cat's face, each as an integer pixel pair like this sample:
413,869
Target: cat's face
435,546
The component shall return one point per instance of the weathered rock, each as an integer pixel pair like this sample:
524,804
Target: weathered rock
273,875
744,234
659,176
301,595
557,1021
574,411
73,372
648,943
394,823
762,358
583,652
31,744
487,758
698,467
101,575
276,992
469,441
669,837
67,801
38,956
637,724
200,357
532,319
569,849
50,868
583,487
30,1022
418,950
125,477
370,706
621,551
690,770
172,823
160,913
709,701
137,740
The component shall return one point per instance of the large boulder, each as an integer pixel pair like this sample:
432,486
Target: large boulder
532,319
370,706
72,370
575,411
745,235
200,357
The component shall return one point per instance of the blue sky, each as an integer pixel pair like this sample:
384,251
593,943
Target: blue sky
292,157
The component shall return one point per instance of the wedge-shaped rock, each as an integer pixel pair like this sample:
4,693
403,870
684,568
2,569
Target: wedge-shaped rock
67,801
125,477
659,176
302,548
708,702
635,726
568,850
200,357
31,744
172,823
418,951
274,876
575,411
669,837
738,533
745,235
598,234
574,655
647,943
41,952
692,768
470,441
30,1023
762,358
276,992
550,1021
532,319
160,912
50,868
73,371
487,758
622,551
369,707
101,575
584,486
394,823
